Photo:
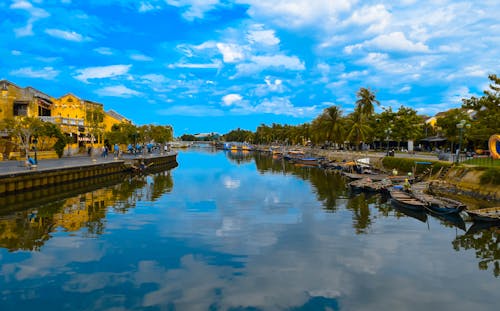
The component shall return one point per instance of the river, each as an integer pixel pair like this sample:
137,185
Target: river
233,231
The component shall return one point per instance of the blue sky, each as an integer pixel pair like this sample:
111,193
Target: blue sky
216,65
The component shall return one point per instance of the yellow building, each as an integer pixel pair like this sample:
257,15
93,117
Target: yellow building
83,120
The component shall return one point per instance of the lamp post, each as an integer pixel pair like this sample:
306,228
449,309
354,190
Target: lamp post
460,127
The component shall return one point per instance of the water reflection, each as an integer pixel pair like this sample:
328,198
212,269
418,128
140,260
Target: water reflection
28,224
249,235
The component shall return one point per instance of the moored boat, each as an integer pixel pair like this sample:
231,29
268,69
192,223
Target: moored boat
490,214
405,199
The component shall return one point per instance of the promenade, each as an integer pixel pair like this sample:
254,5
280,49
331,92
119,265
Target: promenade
10,167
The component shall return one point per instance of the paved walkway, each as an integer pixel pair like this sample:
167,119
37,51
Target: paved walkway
14,166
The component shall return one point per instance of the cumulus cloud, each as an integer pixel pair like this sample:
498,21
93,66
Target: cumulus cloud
231,53
277,62
47,73
294,14
117,91
395,41
375,17
230,99
262,36
101,72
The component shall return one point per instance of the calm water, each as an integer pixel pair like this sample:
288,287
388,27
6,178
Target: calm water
237,232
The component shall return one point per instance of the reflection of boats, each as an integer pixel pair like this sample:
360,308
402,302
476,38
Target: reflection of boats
480,226
307,161
452,218
405,199
417,214
491,214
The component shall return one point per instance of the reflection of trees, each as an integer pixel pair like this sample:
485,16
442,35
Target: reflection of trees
485,243
329,188
359,205
162,183
239,157
30,228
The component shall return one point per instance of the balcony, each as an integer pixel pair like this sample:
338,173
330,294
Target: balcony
63,121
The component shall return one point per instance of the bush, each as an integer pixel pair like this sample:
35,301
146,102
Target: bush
490,176
407,165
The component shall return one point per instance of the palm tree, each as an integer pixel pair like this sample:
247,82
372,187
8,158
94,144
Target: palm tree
331,122
366,99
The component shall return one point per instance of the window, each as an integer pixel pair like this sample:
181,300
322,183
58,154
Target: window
20,109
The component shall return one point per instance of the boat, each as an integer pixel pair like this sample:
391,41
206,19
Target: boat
367,184
490,214
434,204
417,214
405,199
307,161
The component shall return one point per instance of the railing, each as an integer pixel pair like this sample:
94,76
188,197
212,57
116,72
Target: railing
61,120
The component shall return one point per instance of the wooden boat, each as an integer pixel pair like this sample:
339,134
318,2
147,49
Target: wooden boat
434,204
307,161
367,184
491,214
405,199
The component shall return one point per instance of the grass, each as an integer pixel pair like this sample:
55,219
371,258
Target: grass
484,162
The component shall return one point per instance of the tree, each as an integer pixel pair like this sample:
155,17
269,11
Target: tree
366,99
486,113
24,130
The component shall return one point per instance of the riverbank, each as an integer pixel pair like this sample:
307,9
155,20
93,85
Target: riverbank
460,181
15,177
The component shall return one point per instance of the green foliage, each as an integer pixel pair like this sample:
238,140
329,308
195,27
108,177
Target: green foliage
490,176
60,144
408,165
188,137
239,135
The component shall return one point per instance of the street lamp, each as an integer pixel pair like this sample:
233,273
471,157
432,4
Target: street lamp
460,127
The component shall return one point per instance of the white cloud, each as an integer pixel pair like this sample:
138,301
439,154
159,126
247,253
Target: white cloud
147,7
214,65
279,61
65,35
194,8
101,72
260,36
104,51
231,53
395,41
141,57
16,52
47,73
35,14
230,99
377,17
297,13
117,91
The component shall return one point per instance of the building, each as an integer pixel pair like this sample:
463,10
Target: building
84,121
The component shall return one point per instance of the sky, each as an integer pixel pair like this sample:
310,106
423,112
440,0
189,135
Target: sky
217,65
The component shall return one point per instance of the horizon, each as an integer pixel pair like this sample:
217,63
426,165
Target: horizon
219,65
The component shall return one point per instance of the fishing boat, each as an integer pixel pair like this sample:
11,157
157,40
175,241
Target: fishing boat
491,214
307,161
405,199
434,204
369,185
